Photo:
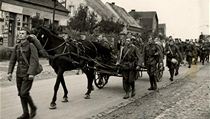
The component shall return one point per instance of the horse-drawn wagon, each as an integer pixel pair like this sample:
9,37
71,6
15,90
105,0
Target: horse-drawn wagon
89,56
104,71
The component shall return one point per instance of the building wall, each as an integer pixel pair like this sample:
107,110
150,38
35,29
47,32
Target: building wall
162,29
25,13
44,13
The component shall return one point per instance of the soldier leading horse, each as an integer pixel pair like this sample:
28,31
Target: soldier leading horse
65,56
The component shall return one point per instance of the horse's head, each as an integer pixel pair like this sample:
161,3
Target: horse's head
42,36
49,41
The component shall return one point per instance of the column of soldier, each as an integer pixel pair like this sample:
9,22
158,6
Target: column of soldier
152,54
133,53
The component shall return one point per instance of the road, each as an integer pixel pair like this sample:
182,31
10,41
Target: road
186,98
102,101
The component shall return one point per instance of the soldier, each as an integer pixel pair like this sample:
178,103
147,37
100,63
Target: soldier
173,56
201,37
25,72
130,64
189,52
103,41
120,46
205,47
180,49
152,57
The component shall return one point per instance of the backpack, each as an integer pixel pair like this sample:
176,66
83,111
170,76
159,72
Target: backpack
39,69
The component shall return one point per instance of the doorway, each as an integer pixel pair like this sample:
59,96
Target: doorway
11,29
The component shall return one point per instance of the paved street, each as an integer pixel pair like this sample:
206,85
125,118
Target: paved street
186,98
103,100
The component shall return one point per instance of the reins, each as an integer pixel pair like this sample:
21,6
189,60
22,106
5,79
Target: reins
57,47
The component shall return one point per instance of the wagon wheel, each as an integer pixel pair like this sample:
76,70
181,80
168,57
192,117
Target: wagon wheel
101,80
160,72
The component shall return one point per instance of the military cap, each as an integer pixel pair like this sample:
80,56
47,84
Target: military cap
26,29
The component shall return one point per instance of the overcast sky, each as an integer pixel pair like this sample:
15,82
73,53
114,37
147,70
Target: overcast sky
183,18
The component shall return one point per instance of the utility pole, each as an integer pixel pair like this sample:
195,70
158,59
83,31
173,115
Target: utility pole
53,13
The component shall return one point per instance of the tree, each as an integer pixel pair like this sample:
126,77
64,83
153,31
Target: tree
83,21
109,26
91,22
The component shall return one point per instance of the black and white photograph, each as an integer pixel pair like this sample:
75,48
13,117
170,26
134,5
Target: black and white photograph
104,59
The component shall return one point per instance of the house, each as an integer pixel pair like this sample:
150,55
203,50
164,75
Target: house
15,14
162,29
130,23
147,19
96,6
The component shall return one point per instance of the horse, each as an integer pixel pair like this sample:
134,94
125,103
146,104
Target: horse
69,55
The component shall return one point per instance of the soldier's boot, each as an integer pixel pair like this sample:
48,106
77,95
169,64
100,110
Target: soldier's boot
151,84
33,107
177,70
133,92
189,65
202,62
155,85
196,60
126,95
24,116
171,74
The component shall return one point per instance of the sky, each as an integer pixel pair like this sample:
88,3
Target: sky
183,18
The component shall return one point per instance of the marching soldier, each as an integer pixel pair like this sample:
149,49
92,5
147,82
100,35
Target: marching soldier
130,64
173,56
25,72
180,48
205,47
189,52
152,57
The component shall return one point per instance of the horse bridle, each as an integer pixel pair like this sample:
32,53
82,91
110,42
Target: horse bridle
54,47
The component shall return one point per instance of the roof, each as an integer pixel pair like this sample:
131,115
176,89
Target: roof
124,16
143,14
100,8
43,3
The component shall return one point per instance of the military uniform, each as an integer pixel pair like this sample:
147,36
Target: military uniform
189,54
23,71
152,57
172,52
180,49
204,55
129,62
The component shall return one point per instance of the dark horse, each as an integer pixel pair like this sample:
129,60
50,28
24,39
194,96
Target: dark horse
70,55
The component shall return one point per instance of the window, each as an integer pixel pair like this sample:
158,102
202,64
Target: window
56,23
26,21
46,21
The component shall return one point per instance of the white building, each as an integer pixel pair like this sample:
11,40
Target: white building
15,14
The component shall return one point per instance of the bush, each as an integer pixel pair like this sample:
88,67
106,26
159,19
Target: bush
5,52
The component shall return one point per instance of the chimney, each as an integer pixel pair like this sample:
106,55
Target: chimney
133,10
113,3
